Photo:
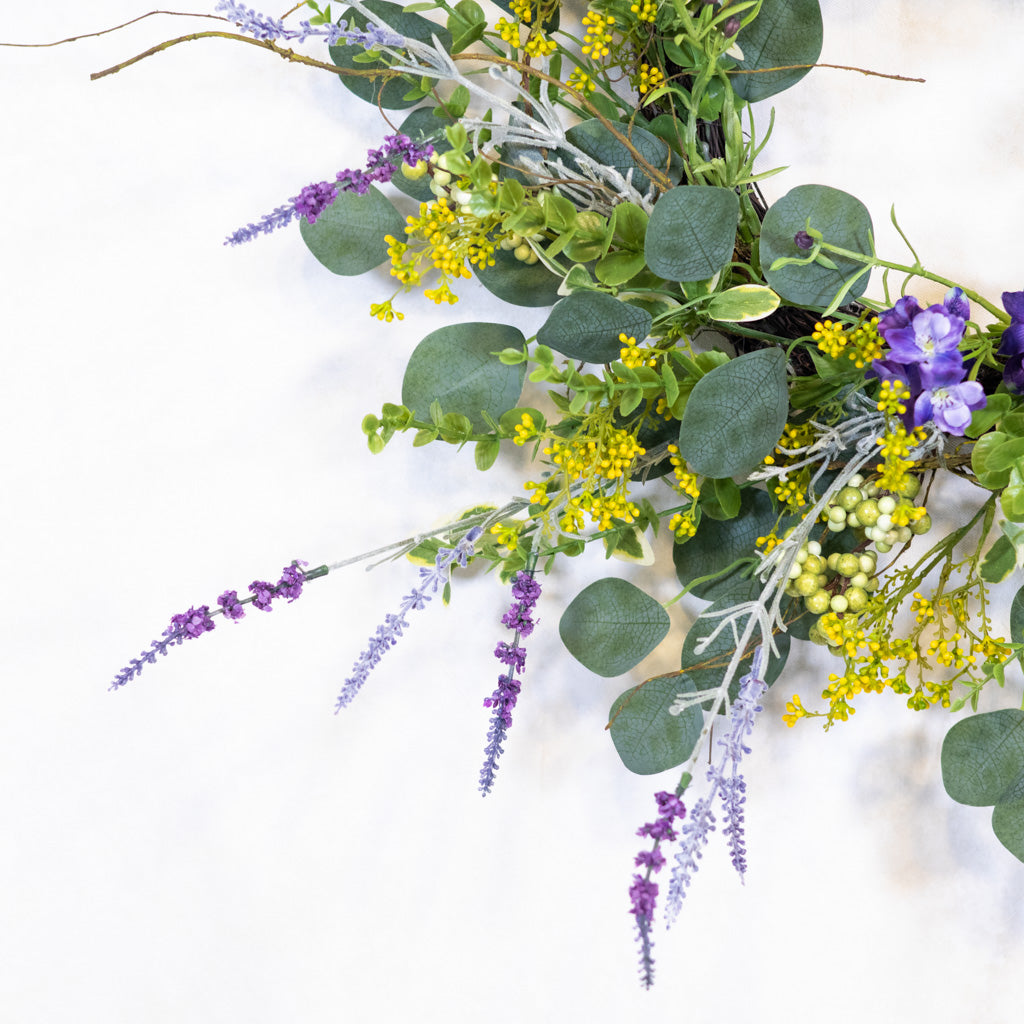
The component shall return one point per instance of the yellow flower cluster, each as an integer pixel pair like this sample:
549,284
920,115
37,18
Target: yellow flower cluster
791,489
895,445
597,40
581,81
868,646
860,344
537,44
645,10
444,238
633,356
650,78
592,460
507,535
683,524
524,429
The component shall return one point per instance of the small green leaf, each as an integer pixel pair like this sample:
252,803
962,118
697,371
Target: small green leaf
348,237
466,23
586,325
999,561
743,303
995,408
612,625
728,495
1017,617
735,414
455,368
692,232
984,450
647,738
486,452
619,267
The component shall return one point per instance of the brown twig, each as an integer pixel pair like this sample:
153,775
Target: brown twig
837,67
103,32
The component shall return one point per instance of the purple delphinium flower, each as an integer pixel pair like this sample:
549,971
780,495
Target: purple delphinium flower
1012,340
197,621
519,618
311,202
947,398
726,783
924,353
387,634
643,893
260,26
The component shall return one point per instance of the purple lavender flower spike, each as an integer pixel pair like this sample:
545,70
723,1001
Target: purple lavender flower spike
387,634
643,893
728,784
519,618
196,621
314,199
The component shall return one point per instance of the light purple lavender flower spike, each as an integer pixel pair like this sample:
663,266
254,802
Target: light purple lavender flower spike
519,617
387,634
728,784
260,26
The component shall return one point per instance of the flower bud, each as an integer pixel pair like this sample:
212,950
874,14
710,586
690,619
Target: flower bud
802,239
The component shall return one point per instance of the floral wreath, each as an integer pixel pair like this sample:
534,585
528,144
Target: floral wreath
710,366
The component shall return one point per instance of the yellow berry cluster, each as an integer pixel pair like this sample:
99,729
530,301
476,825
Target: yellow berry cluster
581,81
895,445
791,488
645,10
524,430
597,40
860,344
649,78
633,356
683,524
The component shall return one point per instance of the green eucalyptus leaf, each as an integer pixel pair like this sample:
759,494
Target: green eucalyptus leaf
454,367
735,414
719,543
390,94
647,738
983,765
586,325
348,237
785,32
692,232
743,303
1017,617
598,142
522,284
612,625
843,221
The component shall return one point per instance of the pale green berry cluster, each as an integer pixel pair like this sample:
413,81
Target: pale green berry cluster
839,582
859,505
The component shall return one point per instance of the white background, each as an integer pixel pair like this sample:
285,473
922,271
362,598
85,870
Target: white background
211,844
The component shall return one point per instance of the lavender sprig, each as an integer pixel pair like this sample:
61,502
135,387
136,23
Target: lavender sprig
643,893
259,26
196,621
728,784
519,617
387,634
314,199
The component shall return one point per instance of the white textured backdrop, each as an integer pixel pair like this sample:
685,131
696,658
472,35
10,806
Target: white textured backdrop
211,844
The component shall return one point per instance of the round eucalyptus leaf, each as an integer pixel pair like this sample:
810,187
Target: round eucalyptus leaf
843,221
522,284
692,232
647,738
389,94
612,625
1017,617
348,237
586,325
735,414
784,33
983,758
456,366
